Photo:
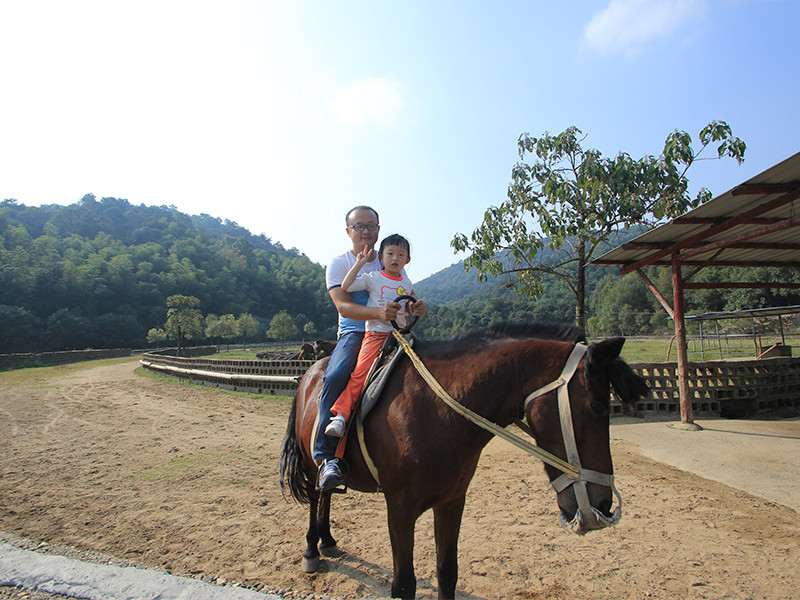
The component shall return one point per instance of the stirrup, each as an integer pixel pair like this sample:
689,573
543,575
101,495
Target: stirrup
344,469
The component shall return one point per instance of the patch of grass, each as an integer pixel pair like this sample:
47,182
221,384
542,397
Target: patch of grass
182,465
646,350
657,350
31,375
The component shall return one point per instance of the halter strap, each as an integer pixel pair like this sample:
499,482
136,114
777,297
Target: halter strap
586,512
566,374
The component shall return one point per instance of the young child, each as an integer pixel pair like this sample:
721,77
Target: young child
383,286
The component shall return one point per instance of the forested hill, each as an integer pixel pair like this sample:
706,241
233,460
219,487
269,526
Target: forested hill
98,273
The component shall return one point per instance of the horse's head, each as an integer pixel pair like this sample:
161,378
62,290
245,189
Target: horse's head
576,428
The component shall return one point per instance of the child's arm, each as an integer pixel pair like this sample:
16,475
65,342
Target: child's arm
362,258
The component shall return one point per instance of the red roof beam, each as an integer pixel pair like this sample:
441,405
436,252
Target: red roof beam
765,188
743,237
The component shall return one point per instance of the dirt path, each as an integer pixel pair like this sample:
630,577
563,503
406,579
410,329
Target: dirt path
186,480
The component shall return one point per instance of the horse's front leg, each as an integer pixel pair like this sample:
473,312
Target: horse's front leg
401,533
446,525
311,553
328,545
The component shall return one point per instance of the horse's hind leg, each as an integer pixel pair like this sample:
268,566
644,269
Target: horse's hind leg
446,525
319,532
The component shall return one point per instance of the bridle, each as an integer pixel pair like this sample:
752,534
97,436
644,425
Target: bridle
587,517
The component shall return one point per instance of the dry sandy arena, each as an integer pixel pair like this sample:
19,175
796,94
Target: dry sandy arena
185,480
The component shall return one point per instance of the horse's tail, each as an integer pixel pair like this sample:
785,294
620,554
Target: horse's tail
290,466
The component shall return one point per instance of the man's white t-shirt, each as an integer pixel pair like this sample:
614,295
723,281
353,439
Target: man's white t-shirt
334,275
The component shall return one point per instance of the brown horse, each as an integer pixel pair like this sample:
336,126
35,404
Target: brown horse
426,454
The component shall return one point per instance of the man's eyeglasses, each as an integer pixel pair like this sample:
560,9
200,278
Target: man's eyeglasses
359,227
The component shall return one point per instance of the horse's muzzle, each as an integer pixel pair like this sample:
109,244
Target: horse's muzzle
581,523
589,518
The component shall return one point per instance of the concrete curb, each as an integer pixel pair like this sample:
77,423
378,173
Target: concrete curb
61,575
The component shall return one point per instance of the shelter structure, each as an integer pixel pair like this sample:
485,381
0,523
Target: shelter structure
755,224
752,314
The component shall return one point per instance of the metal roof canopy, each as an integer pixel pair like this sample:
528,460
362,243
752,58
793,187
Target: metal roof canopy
754,224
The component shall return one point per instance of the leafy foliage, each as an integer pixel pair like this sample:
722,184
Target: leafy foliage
184,319
570,200
98,273
282,327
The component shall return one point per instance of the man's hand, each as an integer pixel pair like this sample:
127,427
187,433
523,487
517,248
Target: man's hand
366,255
388,312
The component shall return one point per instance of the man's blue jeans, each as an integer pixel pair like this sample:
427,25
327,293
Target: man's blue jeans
343,361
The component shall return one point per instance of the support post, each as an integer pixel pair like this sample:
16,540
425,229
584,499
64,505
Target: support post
687,416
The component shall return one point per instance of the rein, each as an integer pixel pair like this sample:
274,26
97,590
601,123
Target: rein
573,473
569,471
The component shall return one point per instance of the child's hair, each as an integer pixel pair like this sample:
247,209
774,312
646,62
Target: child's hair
395,240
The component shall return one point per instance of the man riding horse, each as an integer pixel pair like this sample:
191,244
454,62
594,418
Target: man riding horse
362,227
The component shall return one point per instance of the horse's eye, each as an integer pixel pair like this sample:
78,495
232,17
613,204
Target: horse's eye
598,408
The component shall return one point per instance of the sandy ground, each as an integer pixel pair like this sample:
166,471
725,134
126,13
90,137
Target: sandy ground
185,479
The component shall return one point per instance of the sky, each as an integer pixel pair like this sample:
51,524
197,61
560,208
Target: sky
281,116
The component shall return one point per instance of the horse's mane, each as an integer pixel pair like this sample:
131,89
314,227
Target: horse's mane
630,387
480,338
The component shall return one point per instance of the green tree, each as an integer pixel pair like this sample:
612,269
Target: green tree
309,329
569,200
222,328
156,336
247,326
282,328
21,330
228,328
184,320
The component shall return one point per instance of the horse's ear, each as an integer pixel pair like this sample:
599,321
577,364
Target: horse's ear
603,353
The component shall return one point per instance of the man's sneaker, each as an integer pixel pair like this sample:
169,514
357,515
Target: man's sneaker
330,475
336,427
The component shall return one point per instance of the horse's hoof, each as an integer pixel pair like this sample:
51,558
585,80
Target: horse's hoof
331,551
310,565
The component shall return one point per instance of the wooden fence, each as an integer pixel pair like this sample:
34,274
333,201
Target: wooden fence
730,388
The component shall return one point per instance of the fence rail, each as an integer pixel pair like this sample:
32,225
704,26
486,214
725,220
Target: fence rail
730,388
277,377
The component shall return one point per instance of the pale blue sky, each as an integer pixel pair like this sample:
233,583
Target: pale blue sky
283,115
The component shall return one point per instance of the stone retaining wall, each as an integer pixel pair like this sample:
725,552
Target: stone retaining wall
730,388
39,359
279,377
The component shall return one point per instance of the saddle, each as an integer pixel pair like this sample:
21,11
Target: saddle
390,355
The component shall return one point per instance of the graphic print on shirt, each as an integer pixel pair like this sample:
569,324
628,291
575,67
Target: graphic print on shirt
389,293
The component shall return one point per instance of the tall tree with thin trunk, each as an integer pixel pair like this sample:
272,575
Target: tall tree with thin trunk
568,200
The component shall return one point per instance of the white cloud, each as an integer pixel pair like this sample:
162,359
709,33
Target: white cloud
379,101
628,25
